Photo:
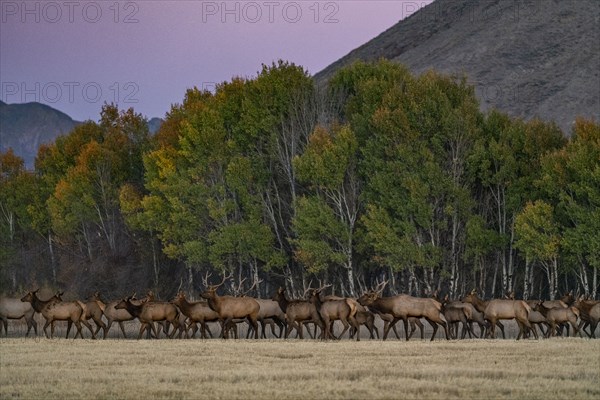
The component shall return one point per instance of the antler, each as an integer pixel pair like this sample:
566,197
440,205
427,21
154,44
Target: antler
379,289
307,289
238,290
319,290
223,281
256,283
205,279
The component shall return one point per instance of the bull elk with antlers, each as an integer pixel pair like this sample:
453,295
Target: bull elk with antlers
230,308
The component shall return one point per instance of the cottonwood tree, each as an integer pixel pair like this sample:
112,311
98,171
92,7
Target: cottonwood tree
326,218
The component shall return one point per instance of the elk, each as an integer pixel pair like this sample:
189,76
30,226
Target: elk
536,318
498,309
149,312
366,318
54,309
480,306
297,312
93,311
114,315
197,312
590,315
332,310
402,307
558,315
388,318
457,312
270,313
13,308
229,307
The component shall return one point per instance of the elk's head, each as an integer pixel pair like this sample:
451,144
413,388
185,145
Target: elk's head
279,294
179,297
368,298
472,296
30,296
211,290
123,303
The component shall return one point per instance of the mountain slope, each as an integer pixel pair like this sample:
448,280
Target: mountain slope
528,58
24,127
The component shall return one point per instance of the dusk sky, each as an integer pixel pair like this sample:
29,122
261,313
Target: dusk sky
75,55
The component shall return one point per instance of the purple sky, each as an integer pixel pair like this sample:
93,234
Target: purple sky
74,55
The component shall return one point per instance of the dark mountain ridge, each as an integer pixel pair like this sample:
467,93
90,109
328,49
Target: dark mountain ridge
527,58
24,127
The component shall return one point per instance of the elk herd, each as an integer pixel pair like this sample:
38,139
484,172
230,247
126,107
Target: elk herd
314,311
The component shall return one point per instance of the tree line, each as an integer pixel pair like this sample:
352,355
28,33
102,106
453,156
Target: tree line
378,175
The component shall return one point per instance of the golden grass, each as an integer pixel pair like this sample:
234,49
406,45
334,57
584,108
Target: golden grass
274,369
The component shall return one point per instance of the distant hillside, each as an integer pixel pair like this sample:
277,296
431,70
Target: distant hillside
528,58
24,127
154,124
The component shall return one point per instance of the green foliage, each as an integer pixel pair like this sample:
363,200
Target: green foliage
320,234
537,232
402,172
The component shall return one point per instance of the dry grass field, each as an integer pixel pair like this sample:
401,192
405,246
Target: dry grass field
273,369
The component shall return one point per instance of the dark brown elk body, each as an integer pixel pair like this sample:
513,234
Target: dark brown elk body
56,310
230,308
11,308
